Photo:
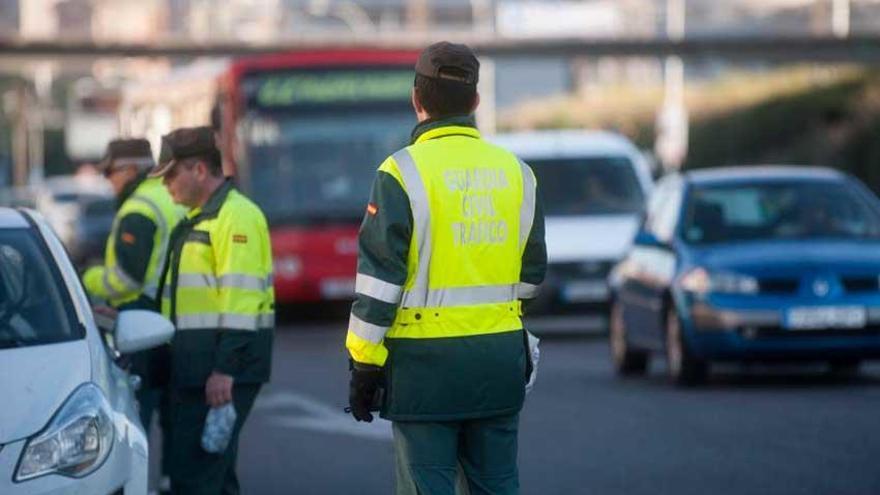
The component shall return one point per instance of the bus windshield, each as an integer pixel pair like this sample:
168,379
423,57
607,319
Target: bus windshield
312,167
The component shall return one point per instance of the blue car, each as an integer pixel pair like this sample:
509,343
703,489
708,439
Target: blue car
750,264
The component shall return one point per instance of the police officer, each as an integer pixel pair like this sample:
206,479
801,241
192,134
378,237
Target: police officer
134,257
218,292
452,240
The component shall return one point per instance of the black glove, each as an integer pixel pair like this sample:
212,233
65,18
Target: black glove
364,390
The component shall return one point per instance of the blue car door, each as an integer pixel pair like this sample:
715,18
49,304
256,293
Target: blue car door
651,267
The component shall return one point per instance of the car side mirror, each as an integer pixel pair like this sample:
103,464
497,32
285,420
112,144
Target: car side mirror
139,330
647,239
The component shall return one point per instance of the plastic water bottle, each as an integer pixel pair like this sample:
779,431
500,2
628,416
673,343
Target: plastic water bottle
218,428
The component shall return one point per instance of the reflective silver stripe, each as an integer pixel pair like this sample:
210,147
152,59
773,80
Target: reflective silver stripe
151,291
230,280
196,280
466,296
138,162
418,200
162,227
237,321
232,321
125,278
198,320
527,209
366,331
242,281
526,291
377,289
267,320
111,291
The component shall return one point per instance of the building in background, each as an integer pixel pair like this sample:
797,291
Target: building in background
8,17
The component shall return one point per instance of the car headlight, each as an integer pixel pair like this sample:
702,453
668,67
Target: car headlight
287,266
75,442
701,281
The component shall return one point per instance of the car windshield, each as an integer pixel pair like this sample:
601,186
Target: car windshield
778,210
313,167
34,310
585,186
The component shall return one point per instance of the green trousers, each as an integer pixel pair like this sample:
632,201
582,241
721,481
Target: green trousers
156,400
194,471
476,457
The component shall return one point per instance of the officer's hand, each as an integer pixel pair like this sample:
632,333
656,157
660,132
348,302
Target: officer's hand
365,382
218,390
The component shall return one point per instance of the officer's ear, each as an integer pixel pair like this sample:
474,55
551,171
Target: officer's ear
421,114
476,102
201,170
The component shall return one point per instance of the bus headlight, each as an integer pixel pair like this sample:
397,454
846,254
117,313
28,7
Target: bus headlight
76,441
287,266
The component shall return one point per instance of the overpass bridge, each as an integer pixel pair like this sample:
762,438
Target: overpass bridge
863,49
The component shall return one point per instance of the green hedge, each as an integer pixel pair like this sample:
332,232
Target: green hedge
836,125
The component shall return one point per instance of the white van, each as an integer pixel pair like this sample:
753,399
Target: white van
593,187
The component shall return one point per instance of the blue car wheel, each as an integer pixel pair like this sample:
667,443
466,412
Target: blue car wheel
683,367
627,360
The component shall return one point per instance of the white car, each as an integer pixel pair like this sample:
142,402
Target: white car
593,186
69,421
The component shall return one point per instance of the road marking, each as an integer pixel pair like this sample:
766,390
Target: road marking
294,410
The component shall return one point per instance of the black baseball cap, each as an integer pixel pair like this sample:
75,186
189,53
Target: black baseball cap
129,151
187,142
449,62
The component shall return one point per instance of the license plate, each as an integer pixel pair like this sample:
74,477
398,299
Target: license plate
826,317
342,288
585,291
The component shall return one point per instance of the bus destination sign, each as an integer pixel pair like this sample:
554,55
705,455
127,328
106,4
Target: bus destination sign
291,89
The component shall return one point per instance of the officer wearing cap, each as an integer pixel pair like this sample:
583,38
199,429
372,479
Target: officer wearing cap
451,243
217,290
134,257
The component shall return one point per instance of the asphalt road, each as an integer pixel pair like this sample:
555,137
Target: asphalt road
749,431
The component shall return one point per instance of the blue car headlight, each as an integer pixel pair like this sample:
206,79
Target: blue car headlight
75,442
701,282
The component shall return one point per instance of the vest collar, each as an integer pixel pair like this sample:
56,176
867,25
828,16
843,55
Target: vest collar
129,189
437,128
212,206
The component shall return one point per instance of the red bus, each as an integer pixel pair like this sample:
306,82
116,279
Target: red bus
303,134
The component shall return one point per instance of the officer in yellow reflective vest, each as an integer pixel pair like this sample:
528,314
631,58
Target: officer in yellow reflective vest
218,292
452,241
134,257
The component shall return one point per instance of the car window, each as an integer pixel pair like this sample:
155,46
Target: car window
34,308
779,210
588,185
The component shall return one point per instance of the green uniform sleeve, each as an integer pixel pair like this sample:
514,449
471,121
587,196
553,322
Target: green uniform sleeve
534,260
383,250
243,256
134,245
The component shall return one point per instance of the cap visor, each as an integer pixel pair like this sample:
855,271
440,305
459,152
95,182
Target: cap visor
161,169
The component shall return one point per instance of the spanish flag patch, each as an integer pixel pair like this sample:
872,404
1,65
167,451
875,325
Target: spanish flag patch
372,209
239,238
128,238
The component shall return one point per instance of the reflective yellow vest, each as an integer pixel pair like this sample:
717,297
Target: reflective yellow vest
441,271
111,282
219,293
472,207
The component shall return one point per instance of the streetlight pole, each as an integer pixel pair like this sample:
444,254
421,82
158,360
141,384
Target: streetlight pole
672,121
840,18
